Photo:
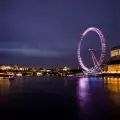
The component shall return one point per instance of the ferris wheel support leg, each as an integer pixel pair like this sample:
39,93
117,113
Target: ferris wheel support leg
97,63
92,55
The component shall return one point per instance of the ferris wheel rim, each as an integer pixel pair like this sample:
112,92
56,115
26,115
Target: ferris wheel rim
103,46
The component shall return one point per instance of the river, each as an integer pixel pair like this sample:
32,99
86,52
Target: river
60,98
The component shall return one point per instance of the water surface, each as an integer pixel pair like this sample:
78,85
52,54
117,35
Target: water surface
60,98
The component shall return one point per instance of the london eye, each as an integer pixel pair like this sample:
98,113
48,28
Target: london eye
96,63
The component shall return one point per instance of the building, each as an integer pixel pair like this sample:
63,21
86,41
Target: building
115,52
103,67
114,62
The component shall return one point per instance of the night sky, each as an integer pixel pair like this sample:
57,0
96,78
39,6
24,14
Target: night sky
45,33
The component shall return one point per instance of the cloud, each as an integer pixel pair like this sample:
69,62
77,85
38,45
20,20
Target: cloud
32,52
36,52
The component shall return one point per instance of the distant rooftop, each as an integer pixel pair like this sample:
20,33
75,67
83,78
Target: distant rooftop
112,62
116,47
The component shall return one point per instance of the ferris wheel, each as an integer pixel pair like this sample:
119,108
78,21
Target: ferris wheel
97,63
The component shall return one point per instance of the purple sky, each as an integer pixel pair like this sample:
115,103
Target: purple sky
45,33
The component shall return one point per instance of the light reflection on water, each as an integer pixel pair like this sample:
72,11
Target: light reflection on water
4,86
83,92
83,87
106,89
113,85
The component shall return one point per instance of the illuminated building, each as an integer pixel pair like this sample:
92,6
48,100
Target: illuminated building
5,67
114,62
66,68
103,67
115,52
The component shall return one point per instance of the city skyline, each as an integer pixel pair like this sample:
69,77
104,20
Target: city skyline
46,34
